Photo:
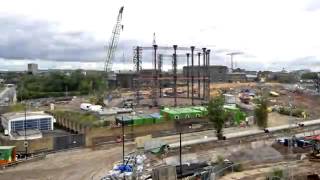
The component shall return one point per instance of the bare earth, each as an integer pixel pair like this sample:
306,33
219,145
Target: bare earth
76,164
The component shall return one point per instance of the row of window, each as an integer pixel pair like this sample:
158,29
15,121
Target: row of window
187,116
40,124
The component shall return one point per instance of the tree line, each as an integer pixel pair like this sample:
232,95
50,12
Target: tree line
55,84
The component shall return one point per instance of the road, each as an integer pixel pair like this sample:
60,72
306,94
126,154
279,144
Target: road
7,94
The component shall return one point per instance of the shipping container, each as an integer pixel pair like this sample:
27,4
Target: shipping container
7,154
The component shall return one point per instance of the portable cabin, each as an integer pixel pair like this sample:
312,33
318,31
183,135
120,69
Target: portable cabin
180,113
238,115
7,154
204,110
157,117
137,120
147,119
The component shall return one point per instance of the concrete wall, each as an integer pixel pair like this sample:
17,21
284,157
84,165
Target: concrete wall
34,146
217,73
108,134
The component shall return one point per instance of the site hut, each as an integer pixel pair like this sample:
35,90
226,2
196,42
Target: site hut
36,123
7,154
180,113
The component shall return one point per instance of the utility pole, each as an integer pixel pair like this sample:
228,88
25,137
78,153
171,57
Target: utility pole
25,130
122,140
180,152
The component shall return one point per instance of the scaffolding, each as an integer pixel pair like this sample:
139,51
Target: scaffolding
156,79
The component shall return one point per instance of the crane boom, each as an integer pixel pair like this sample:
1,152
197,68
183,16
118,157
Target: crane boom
113,43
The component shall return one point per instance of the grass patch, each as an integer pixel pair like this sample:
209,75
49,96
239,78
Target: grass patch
16,108
85,119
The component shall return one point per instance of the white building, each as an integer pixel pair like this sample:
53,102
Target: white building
35,122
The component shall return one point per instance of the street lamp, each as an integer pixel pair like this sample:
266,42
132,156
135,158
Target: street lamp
25,130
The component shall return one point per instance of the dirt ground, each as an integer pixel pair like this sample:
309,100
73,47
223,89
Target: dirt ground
298,170
276,119
79,164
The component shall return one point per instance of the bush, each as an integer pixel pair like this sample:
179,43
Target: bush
85,119
295,112
238,168
276,174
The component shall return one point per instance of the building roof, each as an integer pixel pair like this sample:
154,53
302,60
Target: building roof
6,147
14,115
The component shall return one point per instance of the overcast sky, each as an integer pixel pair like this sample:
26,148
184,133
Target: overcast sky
272,34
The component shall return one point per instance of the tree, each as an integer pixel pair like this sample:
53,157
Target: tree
217,114
310,75
261,112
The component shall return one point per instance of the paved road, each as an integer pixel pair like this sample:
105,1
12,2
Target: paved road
7,93
206,134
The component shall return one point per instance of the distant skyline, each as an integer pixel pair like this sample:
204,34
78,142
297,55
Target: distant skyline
73,34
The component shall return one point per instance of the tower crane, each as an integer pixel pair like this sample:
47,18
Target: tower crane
113,43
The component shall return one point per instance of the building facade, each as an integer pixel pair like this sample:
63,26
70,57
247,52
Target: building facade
216,73
13,123
33,68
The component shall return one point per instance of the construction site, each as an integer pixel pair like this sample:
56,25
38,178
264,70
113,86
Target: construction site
155,122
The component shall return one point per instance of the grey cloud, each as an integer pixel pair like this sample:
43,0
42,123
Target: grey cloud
23,38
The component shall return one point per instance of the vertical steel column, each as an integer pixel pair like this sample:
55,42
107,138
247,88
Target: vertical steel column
160,75
192,74
175,74
188,76
137,75
155,77
208,73
204,72
199,89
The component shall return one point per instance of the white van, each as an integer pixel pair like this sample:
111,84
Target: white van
85,106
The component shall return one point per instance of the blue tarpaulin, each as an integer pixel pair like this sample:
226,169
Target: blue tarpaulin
124,168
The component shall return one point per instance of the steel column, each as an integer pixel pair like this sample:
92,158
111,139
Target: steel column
192,75
160,75
204,72
188,76
208,73
155,77
199,88
175,74
137,71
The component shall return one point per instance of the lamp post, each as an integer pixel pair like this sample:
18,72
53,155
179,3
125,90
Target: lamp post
25,130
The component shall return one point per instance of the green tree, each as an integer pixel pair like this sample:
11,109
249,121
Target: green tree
261,112
310,75
217,114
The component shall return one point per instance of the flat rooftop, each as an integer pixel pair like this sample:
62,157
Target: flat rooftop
13,115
